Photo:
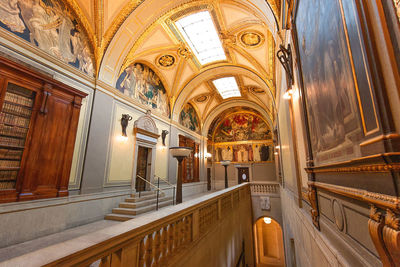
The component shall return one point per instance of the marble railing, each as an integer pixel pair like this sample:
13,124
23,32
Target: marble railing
160,238
263,188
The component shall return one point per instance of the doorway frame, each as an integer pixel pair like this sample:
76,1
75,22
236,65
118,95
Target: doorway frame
145,135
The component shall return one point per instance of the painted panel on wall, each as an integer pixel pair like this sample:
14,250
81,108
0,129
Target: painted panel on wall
140,82
49,25
332,94
243,152
189,118
242,127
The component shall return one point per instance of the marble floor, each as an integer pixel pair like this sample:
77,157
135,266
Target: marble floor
42,242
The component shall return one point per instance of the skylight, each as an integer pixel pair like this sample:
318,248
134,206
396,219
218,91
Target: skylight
199,32
227,87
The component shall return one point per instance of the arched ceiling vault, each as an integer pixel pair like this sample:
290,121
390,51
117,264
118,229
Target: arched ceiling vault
127,31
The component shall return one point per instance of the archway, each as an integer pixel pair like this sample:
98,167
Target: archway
268,239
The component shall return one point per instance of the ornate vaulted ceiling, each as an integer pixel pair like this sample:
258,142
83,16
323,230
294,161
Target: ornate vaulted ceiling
126,31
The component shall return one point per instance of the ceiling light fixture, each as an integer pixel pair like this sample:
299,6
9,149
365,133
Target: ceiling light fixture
200,33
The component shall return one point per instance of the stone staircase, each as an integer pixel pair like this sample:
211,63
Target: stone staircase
134,206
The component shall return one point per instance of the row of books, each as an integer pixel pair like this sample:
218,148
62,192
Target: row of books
10,153
13,131
7,185
18,99
16,110
14,120
10,141
10,175
9,163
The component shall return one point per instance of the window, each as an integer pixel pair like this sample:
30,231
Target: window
227,87
200,33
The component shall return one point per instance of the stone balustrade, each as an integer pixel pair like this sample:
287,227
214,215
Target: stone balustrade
263,188
170,237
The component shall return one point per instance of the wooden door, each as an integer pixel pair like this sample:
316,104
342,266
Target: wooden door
243,175
46,173
190,165
142,168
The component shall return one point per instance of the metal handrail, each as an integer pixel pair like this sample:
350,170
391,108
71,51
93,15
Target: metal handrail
157,188
173,186
165,180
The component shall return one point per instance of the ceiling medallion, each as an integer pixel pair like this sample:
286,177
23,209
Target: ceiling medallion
165,61
251,39
184,52
201,99
256,90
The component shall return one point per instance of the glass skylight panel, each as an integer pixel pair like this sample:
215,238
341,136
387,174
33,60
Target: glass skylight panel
227,87
199,32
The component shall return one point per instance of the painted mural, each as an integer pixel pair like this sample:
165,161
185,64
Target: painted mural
140,82
242,127
243,152
331,90
189,118
49,25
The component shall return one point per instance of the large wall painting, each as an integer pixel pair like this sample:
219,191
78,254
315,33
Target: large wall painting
242,127
140,82
331,90
189,118
244,152
49,25
242,136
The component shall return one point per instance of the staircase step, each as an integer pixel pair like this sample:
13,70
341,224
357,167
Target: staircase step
119,217
133,205
143,198
145,193
140,210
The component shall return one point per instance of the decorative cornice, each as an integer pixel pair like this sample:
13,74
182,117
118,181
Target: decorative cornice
376,199
371,164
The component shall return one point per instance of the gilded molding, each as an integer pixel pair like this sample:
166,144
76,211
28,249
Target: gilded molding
397,8
392,221
312,197
361,168
376,199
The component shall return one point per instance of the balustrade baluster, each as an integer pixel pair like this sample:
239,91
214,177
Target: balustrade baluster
157,247
164,245
176,235
141,253
148,258
171,231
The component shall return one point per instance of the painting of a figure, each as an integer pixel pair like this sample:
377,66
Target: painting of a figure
243,153
189,118
49,25
142,83
242,127
335,122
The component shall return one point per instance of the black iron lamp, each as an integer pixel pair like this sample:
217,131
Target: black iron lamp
124,123
180,153
226,163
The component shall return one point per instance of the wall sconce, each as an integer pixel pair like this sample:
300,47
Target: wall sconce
288,94
124,123
208,155
285,57
163,135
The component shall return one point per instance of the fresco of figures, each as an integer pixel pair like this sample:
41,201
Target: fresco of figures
49,25
189,119
244,153
140,82
242,127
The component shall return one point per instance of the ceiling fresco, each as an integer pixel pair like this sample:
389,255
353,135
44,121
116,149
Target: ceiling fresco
106,38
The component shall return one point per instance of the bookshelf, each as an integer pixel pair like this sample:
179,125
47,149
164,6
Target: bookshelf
38,123
15,117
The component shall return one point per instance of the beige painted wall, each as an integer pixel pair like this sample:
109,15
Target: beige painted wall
162,152
121,151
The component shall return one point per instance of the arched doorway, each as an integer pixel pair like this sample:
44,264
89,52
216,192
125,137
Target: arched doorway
268,243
